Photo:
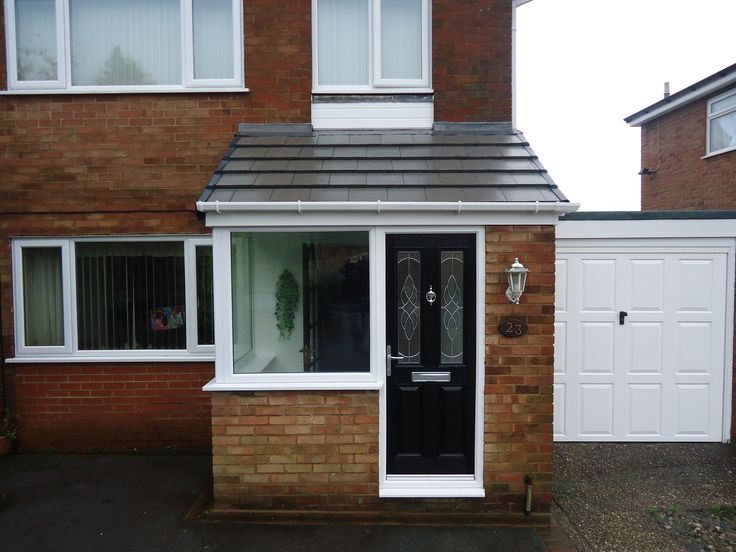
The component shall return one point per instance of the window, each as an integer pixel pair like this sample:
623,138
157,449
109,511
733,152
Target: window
722,123
362,45
140,296
300,302
124,44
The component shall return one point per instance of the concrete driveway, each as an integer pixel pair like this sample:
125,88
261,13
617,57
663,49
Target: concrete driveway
615,496
138,503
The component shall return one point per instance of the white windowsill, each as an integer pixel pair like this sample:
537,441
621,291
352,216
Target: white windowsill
719,152
293,386
350,91
428,486
120,90
71,359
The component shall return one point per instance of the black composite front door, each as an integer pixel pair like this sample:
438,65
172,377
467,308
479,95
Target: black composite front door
430,357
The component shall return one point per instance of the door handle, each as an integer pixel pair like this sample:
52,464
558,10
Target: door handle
621,316
389,358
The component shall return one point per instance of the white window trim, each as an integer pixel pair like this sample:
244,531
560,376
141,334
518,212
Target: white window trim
713,116
225,377
70,350
63,85
377,84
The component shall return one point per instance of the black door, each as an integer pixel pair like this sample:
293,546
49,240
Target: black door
430,363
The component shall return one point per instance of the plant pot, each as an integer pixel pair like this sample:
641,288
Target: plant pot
5,445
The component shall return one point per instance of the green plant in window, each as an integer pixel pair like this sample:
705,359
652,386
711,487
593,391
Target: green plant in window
287,301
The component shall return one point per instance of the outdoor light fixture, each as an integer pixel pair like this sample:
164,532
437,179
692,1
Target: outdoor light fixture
517,281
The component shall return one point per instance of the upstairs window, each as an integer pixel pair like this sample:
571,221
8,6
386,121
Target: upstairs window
368,45
149,45
722,123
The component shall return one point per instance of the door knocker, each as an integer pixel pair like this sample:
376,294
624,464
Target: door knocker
431,296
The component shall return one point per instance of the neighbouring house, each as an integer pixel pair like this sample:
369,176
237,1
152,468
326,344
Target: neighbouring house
645,300
283,230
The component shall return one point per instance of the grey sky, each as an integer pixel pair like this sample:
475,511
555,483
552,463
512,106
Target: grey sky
584,65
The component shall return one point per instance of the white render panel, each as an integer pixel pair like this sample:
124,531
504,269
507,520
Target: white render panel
661,374
373,115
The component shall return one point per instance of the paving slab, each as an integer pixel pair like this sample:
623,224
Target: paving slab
136,502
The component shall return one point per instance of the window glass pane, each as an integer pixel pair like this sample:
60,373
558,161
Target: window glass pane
35,31
401,39
300,302
43,302
725,103
130,295
342,41
451,307
723,132
205,300
213,39
125,42
408,270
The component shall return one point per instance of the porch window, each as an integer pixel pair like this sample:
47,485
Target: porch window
300,302
141,44
722,123
133,298
367,44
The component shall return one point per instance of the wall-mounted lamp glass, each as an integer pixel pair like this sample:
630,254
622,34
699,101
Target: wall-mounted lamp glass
517,281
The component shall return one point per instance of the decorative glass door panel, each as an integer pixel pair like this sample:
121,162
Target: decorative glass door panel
431,371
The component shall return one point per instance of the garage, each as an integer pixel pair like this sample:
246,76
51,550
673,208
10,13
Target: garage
643,328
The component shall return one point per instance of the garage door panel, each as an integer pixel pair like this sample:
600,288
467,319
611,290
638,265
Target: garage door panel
644,405
561,285
598,280
646,347
596,409
646,285
694,347
693,410
597,347
659,376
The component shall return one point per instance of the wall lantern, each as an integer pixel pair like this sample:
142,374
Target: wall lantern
517,281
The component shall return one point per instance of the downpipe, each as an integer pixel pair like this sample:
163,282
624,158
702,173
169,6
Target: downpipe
528,501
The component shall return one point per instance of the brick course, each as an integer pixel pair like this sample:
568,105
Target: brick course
319,450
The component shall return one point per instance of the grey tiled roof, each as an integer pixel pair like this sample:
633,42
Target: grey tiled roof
460,163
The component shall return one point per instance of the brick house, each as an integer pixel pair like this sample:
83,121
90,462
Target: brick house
688,154
323,304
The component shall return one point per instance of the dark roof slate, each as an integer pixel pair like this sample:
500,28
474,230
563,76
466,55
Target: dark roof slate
459,163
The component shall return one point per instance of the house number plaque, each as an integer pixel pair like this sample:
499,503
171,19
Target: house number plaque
512,327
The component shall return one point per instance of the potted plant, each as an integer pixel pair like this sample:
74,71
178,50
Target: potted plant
7,431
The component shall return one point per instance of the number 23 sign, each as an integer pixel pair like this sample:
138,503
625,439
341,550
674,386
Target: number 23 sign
512,327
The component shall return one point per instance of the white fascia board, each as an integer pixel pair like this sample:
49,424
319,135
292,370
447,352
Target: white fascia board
696,94
672,228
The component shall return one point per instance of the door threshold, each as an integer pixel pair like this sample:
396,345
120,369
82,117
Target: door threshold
431,486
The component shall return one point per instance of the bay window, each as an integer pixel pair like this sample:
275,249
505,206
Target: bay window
120,297
94,45
364,45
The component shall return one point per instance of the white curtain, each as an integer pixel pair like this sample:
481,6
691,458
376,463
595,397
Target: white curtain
43,305
723,132
213,39
125,42
35,31
401,39
342,42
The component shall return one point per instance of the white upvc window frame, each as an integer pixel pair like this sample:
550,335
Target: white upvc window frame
21,349
225,377
377,85
70,351
63,84
712,116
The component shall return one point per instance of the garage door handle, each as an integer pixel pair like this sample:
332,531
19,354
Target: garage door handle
621,316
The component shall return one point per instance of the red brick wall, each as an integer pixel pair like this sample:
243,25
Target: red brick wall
319,450
471,60
81,407
674,145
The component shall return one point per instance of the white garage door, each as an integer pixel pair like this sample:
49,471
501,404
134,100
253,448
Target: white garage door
640,344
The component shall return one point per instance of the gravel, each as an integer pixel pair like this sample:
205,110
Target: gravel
619,496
